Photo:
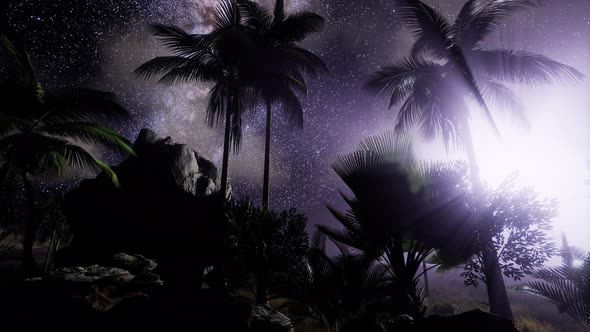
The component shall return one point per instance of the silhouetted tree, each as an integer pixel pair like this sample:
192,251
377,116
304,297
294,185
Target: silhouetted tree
268,249
566,286
402,210
278,77
38,129
519,221
219,57
447,69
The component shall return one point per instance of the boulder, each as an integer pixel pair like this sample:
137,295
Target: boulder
264,319
167,208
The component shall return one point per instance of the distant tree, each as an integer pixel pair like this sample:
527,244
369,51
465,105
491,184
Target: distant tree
219,57
566,286
278,78
39,130
268,250
446,71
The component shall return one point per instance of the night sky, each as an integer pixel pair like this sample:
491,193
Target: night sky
98,43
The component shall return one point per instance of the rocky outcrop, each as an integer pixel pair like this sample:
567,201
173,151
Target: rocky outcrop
96,288
167,208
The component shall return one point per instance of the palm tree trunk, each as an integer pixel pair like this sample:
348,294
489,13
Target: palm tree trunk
266,182
226,146
497,294
30,227
425,271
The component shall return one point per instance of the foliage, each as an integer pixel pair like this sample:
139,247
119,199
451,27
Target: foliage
448,69
566,286
277,78
342,287
42,132
37,126
519,221
268,250
402,210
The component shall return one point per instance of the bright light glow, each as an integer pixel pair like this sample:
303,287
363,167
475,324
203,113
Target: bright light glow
552,156
577,263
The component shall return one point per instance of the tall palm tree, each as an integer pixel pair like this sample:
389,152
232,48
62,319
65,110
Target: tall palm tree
39,131
448,69
278,77
402,210
218,57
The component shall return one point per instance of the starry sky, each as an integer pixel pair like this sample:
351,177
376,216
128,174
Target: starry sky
98,43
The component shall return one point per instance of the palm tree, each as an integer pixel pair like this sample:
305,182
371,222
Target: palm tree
397,204
282,62
39,130
219,57
566,286
447,69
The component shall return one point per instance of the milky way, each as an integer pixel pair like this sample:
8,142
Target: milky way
98,43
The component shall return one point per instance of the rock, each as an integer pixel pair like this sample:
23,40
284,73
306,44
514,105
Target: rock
90,274
167,208
264,319
133,263
101,288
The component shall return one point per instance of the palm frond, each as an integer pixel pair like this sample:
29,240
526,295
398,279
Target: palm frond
520,67
505,101
425,24
83,105
180,69
297,27
304,60
89,133
477,20
279,12
180,42
217,105
292,108
564,286
16,65
9,252
69,156
393,147
396,81
255,15
227,14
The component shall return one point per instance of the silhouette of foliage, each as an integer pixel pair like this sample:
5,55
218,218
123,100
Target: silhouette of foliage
398,213
448,67
566,286
446,73
519,220
220,57
39,130
277,78
341,287
268,250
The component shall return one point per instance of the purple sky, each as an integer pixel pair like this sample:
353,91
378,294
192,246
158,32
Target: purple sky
100,42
